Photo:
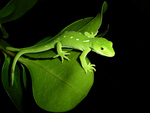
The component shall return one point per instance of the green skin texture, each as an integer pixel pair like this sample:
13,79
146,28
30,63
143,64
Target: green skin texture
70,39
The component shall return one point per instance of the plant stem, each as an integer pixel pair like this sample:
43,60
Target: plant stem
9,53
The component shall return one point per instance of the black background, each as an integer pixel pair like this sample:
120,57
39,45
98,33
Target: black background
119,81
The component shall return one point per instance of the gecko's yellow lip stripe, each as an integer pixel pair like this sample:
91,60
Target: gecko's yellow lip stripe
108,55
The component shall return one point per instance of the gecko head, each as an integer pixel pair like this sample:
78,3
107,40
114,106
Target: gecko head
102,46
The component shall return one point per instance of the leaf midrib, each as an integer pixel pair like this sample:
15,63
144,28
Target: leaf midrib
26,61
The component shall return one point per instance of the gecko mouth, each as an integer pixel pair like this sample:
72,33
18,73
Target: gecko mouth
99,52
104,54
111,55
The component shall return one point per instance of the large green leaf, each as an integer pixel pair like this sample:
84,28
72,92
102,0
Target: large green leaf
58,87
89,24
15,92
15,9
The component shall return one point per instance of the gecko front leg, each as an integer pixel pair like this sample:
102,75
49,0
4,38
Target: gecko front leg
61,53
87,67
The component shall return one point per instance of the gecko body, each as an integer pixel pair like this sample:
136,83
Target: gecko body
70,39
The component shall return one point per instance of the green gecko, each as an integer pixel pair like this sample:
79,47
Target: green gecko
70,39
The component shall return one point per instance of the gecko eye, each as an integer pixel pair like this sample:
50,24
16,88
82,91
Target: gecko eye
101,48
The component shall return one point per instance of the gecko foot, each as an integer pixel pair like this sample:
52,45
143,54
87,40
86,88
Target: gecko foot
63,55
90,68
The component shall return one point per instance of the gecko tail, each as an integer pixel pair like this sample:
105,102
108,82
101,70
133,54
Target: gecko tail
13,49
12,78
14,65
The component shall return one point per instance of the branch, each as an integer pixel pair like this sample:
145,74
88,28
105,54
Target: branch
9,53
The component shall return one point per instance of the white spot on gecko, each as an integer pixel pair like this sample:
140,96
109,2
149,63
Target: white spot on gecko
71,37
77,39
46,46
86,40
64,36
